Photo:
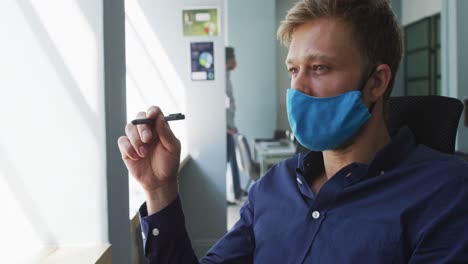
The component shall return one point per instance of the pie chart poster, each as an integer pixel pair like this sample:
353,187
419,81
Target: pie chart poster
202,55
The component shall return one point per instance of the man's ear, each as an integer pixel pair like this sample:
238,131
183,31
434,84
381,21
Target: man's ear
379,82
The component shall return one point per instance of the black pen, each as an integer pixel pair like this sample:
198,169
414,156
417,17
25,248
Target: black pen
147,121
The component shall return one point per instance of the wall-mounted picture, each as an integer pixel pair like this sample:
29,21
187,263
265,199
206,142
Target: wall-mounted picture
202,56
200,22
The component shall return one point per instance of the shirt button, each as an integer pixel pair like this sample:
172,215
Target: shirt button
299,181
316,215
155,232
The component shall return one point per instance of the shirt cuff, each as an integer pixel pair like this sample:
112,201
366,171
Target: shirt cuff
162,231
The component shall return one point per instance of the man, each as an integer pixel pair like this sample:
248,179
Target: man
360,196
231,64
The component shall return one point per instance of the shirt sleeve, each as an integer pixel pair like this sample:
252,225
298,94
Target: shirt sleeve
238,245
444,239
165,238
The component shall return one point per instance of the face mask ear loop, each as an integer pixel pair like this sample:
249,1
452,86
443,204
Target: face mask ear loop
371,107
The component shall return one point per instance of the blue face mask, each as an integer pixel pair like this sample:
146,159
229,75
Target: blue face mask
325,123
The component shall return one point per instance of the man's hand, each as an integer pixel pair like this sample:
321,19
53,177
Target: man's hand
152,156
232,131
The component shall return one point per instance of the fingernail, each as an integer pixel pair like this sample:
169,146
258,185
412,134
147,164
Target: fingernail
143,151
146,136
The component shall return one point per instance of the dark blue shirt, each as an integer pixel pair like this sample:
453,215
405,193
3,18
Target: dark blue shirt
409,205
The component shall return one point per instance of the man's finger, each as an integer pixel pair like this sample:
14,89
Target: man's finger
134,138
166,136
153,112
126,149
145,131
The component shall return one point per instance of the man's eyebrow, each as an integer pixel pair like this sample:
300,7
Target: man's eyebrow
310,57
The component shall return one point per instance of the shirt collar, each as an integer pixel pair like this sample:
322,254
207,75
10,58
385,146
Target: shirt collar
385,159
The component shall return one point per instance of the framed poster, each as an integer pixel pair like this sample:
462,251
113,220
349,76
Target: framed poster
202,58
200,22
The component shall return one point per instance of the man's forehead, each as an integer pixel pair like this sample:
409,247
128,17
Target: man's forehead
321,39
308,56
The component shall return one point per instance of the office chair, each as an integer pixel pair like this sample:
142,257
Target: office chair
432,119
244,160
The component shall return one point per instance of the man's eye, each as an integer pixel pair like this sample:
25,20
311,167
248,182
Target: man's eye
319,68
292,70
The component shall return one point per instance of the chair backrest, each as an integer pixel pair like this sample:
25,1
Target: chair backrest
243,156
432,119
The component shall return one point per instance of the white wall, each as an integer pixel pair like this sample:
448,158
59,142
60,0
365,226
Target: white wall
454,35
202,181
414,10
251,31
52,139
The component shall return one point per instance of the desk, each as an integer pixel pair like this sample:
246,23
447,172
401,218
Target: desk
268,153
